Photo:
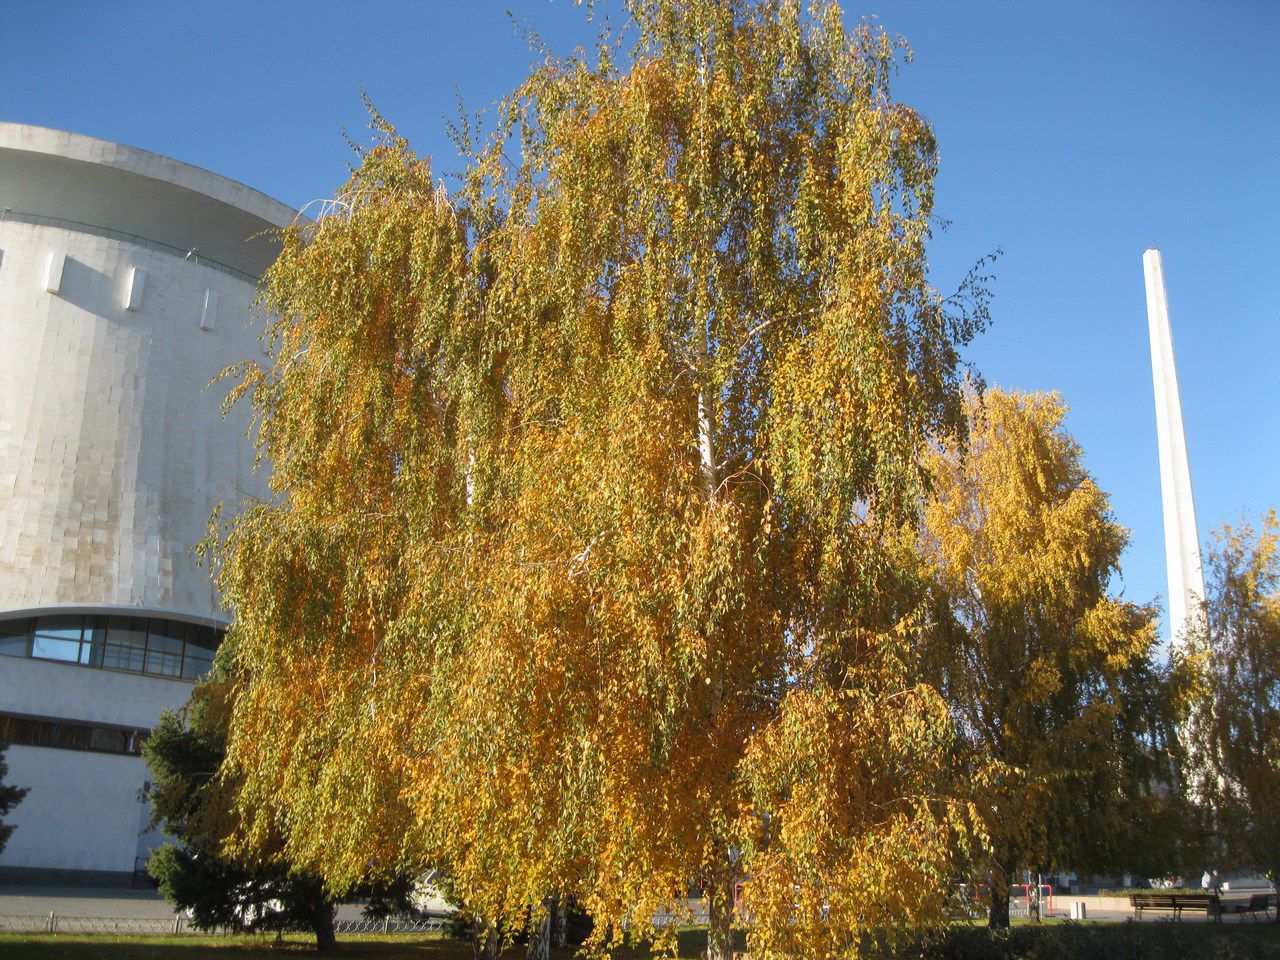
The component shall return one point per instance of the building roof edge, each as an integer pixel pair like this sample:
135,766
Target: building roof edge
144,163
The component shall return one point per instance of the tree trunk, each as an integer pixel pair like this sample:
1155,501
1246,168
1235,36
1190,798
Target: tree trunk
720,919
999,917
488,944
706,442
560,924
322,927
540,936
706,402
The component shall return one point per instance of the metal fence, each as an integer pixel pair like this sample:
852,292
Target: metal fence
661,921
392,925
53,923
179,925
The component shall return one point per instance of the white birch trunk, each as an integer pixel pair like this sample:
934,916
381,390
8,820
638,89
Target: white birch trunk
706,414
706,442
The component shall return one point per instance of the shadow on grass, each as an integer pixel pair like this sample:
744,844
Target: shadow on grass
1055,941
690,944
1128,940
101,947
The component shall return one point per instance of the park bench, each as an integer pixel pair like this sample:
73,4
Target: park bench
1175,902
1258,903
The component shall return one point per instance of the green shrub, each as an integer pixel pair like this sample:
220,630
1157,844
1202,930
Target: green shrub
1111,941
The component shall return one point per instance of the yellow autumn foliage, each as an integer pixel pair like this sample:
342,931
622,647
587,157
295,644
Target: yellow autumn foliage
1235,726
1061,699
587,567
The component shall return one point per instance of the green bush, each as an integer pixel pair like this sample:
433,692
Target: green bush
1111,941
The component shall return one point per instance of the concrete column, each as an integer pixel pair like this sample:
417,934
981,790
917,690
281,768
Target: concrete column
1181,535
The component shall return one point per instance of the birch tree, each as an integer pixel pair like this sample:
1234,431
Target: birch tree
1065,710
1236,725
586,568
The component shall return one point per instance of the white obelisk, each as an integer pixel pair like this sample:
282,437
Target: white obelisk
1181,536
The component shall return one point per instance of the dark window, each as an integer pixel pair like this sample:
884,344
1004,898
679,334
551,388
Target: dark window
16,730
110,741
63,627
94,644
70,734
197,662
164,647
55,648
15,638
126,644
207,638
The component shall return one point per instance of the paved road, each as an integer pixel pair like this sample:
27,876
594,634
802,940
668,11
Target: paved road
146,904
113,902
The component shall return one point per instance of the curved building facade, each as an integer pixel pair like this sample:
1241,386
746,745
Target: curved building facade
126,285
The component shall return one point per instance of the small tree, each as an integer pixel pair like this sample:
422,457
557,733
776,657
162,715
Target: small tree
10,797
1236,728
198,873
1052,679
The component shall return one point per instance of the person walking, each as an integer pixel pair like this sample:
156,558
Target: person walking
1217,894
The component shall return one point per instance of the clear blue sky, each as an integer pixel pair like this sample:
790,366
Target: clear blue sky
1073,135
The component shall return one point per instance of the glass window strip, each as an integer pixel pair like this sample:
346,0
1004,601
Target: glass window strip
61,734
181,650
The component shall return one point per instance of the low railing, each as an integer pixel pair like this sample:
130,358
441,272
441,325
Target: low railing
391,925
1020,904
179,925
54,923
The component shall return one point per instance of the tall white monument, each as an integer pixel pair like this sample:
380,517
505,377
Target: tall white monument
1181,535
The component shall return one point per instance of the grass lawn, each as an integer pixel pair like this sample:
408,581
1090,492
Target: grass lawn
77,946
86,946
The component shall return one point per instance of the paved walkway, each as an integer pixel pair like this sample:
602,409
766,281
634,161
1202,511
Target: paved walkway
114,902
145,904
1156,916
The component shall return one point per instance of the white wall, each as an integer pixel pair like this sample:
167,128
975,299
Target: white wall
82,812
112,452
44,688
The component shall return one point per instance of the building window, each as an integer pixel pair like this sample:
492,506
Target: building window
15,637
154,645
126,644
70,734
165,643
57,638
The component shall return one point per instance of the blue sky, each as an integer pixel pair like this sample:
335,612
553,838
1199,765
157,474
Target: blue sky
1073,135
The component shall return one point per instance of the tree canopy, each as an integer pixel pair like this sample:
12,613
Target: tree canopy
585,569
256,889
1235,728
1056,684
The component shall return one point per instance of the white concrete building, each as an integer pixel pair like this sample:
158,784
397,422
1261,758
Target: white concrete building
126,281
